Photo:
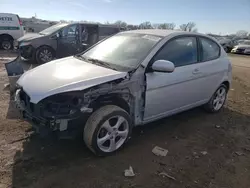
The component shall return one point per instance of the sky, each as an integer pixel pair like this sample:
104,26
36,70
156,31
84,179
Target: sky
210,16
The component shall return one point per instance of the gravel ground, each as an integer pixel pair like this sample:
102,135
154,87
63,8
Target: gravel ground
204,150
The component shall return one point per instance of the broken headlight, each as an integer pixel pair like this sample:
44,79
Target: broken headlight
60,105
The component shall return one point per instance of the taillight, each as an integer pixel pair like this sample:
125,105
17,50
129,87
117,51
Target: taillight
19,20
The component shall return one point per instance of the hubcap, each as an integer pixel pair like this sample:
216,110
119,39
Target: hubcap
6,45
45,55
112,134
219,98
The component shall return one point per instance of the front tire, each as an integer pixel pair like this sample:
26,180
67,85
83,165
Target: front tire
218,100
107,130
44,54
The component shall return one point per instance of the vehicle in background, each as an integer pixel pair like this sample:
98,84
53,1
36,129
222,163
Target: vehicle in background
61,40
242,48
129,79
10,30
227,44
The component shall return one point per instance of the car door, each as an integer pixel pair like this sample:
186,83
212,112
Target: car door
168,93
68,42
212,67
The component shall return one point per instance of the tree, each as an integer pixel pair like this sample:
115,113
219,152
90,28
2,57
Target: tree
169,26
190,26
121,23
241,34
145,25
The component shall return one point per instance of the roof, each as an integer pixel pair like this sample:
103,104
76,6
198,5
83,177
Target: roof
157,32
165,32
88,23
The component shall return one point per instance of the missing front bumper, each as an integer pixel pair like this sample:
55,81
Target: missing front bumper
39,123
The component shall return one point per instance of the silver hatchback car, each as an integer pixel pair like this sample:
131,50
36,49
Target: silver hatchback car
129,79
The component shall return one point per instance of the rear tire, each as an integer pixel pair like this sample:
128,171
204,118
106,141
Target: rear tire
44,54
7,43
107,130
218,100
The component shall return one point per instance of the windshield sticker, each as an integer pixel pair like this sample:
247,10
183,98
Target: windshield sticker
151,37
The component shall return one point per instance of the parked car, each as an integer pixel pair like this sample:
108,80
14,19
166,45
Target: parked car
61,40
227,44
10,30
129,79
242,48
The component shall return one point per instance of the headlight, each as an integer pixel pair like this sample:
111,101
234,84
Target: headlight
25,43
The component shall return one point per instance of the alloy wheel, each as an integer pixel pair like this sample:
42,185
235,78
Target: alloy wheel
219,98
112,134
46,55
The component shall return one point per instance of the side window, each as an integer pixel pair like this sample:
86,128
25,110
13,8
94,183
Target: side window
68,32
181,51
210,50
105,31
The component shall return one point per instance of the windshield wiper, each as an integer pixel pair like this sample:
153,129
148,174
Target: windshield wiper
99,62
96,61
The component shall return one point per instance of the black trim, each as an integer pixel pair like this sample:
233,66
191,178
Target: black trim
201,49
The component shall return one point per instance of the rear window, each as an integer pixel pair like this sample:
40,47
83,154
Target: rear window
210,50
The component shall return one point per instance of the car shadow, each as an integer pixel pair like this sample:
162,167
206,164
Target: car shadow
48,162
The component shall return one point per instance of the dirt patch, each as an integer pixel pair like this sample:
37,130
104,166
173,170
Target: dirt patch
204,150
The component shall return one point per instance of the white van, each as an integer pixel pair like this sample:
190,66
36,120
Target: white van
10,30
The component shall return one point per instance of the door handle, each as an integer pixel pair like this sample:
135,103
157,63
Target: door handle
196,71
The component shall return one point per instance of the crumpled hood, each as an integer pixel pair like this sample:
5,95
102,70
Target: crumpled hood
242,46
29,36
63,75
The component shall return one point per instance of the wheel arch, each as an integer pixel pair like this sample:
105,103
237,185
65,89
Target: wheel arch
110,99
5,35
227,84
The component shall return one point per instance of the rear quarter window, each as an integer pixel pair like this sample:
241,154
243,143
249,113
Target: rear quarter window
210,49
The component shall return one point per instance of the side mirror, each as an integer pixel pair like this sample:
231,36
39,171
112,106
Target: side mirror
163,66
56,36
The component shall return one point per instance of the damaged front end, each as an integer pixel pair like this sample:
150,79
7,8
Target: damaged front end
66,113
59,112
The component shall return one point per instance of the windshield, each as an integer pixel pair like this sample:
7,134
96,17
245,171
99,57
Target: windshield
53,29
123,51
